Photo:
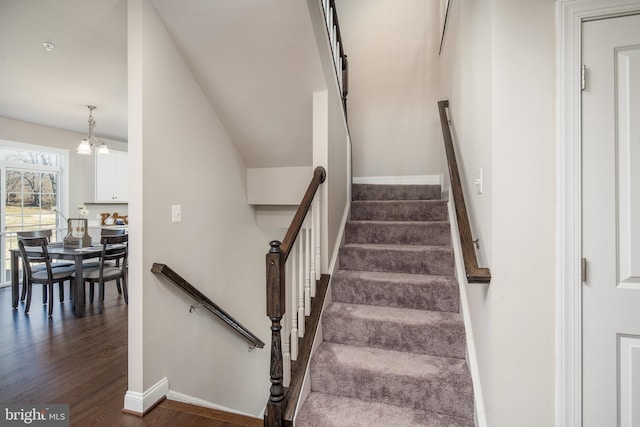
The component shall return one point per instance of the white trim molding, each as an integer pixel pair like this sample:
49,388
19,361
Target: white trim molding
400,180
140,403
570,14
333,263
185,398
472,353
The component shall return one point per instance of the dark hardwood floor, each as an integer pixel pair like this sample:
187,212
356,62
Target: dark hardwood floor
81,362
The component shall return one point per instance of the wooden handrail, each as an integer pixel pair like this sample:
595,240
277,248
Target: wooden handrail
319,175
345,62
276,305
201,298
474,273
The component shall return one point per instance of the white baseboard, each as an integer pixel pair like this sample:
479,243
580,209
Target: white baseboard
140,403
472,354
338,242
445,194
185,398
400,180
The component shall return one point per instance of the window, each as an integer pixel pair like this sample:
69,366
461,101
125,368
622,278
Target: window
31,200
30,188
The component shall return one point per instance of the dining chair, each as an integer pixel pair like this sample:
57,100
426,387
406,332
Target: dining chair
39,255
106,232
113,266
39,267
112,232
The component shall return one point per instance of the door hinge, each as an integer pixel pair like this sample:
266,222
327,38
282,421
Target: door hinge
583,269
583,79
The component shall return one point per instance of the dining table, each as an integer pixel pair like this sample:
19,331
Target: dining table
58,251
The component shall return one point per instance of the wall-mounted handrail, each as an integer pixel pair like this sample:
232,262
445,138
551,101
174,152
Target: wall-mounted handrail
277,301
474,273
202,299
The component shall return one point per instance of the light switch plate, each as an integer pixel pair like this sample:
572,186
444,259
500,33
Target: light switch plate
176,213
479,182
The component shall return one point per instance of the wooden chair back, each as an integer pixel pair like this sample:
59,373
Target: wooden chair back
36,233
112,231
114,248
41,256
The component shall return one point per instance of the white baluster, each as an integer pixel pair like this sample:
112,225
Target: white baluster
334,46
316,204
284,337
339,72
312,254
286,362
332,33
307,282
301,319
294,303
324,7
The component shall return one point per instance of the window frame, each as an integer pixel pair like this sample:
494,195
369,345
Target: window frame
62,195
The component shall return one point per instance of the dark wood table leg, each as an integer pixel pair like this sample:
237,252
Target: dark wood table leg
15,281
78,297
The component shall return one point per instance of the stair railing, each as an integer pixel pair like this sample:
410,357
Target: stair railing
474,273
202,299
303,294
340,61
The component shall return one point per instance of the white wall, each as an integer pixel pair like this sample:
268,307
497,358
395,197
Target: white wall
30,133
466,63
331,146
523,211
338,179
393,85
331,151
498,71
181,154
277,186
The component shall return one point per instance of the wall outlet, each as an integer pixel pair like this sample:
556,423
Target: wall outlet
176,213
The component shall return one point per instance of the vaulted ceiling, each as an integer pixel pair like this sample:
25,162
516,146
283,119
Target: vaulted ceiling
255,60
87,66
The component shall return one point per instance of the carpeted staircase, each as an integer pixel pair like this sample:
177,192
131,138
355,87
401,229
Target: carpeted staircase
394,341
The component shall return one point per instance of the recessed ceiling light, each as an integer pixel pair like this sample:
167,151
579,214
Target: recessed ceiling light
48,46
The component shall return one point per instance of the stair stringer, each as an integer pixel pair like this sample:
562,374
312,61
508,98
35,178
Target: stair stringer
333,267
472,355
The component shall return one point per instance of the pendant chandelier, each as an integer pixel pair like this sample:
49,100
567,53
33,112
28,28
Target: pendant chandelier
89,142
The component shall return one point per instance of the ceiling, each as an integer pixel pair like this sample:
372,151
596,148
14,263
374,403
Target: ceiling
255,60
87,66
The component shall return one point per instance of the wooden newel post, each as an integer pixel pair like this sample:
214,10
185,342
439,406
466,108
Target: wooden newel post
275,311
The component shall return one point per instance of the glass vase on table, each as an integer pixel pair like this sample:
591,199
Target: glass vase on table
77,234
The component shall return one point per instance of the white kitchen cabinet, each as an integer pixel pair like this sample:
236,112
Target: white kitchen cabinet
107,177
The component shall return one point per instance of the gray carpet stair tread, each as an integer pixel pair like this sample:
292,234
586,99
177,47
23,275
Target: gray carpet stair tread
401,329
418,291
399,210
413,380
413,259
323,410
392,247
434,233
395,192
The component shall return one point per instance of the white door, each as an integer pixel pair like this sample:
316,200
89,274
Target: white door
611,223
